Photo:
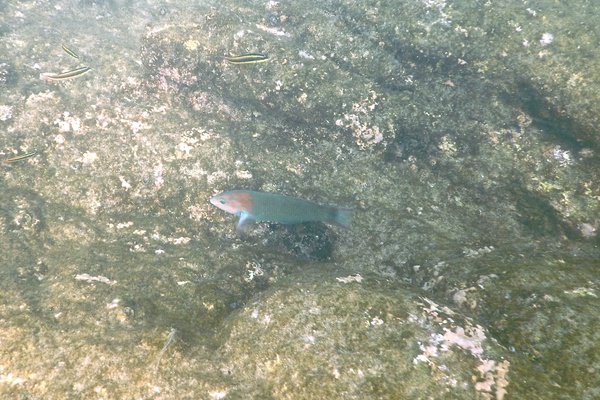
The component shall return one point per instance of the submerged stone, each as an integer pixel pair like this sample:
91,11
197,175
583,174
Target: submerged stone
327,337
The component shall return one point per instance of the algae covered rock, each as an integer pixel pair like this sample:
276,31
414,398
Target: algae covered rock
463,134
328,337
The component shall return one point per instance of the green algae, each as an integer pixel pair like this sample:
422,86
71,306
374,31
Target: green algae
470,159
355,339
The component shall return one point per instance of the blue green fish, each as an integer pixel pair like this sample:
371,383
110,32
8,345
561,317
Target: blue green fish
260,206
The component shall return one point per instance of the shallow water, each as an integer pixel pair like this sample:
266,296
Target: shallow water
463,135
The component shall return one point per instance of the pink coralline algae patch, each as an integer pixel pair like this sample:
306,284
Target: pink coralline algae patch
169,78
489,377
470,341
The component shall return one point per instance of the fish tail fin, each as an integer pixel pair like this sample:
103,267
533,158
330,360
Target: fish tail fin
341,216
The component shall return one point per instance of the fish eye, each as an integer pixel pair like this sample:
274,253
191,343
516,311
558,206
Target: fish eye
222,201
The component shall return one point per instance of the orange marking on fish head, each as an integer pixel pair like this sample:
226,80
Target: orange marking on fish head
235,202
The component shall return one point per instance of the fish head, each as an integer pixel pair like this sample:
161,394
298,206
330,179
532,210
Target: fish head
234,202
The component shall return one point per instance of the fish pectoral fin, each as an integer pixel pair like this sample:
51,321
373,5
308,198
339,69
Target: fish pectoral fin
245,219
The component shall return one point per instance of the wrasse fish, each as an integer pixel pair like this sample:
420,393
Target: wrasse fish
74,73
251,58
19,158
70,52
260,206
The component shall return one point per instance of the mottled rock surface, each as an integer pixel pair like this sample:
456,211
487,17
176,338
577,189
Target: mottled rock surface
464,135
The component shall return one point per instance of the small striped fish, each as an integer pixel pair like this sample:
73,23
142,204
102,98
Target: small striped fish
251,58
74,73
19,158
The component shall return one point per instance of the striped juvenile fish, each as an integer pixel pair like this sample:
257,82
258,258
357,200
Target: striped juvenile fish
74,73
251,58
70,52
260,206
19,158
